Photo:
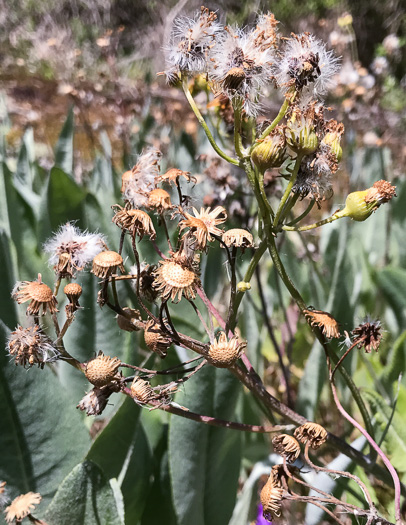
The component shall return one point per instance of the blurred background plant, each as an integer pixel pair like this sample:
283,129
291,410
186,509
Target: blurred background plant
80,101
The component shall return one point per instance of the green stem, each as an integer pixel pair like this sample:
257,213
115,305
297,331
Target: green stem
275,122
202,122
332,218
303,215
239,148
288,189
289,205
260,178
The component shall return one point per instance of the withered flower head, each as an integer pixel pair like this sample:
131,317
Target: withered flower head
382,191
141,391
156,339
22,506
38,293
287,447
30,346
313,433
73,291
106,263
176,277
198,228
368,334
141,180
96,400
102,370
223,352
136,222
172,176
238,238
159,199
211,219
323,320
271,496
71,249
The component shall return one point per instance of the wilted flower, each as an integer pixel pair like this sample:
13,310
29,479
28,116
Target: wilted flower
368,334
146,279
313,433
141,391
238,238
173,175
198,228
135,187
71,249
211,218
136,222
305,61
156,339
176,277
241,64
22,506
271,496
287,447
159,199
30,346
102,370
39,295
323,320
96,400
224,352
190,41
106,263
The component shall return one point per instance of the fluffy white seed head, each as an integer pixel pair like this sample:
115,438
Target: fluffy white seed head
143,178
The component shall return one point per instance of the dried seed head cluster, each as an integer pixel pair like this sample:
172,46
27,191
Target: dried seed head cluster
136,222
96,400
22,506
369,335
313,433
31,346
156,339
175,278
102,370
137,184
39,295
271,497
223,352
106,263
159,199
71,249
141,391
323,320
238,238
287,447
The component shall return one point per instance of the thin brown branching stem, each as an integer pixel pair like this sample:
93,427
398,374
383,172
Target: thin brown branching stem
359,340
121,244
163,222
158,250
167,371
56,324
57,285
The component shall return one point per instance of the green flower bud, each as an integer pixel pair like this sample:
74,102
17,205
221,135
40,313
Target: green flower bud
360,204
300,135
242,286
271,152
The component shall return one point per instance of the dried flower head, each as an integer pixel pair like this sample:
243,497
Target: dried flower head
173,175
305,61
271,496
190,42
136,222
313,433
323,320
211,219
198,228
71,249
238,238
287,447
96,400
382,191
106,264
39,295
156,339
141,391
241,65
22,506
368,334
135,189
223,352
176,277
73,291
159,199
144,283
30,346
102,370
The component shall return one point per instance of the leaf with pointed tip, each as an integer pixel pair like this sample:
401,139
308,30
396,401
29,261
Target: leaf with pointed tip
64,146
85,497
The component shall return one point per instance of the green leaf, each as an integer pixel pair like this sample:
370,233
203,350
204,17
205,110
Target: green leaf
122,451
392,284
24,174
42,434
396,364
64,146
85,497
8,310
312,382
205,468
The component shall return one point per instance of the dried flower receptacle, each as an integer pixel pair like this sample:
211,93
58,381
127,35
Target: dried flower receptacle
106,263
224,352
39,294
156,339
313,433
175,278
102,370
287,447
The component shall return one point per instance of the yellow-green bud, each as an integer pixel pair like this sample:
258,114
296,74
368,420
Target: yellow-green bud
333,140
243,286
356,207
271,152
301,137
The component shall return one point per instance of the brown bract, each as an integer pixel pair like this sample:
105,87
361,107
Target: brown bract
156,339
198,228
174,278
39,295
172,176
287,447
381,191
106,263
369,334
211,218
323,320
223,352
271,496
313,433
102,369
159,199
22,506
136,222
238,238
